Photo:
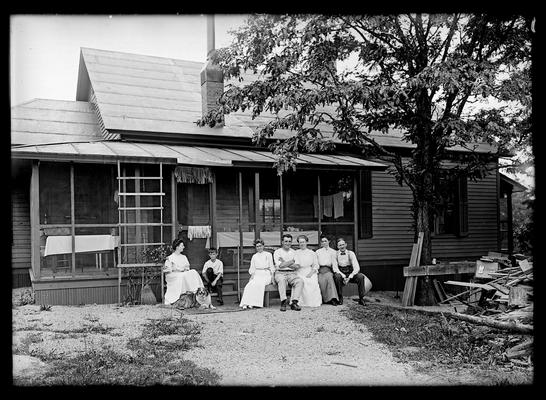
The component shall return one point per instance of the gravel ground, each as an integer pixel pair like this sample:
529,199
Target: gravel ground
264,347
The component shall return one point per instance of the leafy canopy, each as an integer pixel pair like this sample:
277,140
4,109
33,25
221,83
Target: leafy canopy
439,80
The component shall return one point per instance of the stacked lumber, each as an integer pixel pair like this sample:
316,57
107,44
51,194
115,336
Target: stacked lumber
504,294
410,286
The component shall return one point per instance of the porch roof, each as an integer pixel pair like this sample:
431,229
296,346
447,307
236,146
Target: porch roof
108,151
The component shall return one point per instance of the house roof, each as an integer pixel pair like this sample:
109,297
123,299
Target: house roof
41,121
108,151
139,93
516,186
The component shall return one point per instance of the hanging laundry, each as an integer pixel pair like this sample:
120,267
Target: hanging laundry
193,175
199,232
338,205
328,203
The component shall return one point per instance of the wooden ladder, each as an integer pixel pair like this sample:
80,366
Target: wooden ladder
128,239
410,286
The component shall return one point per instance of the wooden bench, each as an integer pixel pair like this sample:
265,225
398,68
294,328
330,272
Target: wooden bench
272,288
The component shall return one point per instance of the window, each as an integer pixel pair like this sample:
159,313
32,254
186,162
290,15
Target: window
451,212
270,211
365,230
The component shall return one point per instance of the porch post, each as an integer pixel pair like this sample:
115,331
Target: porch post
319,208
213,212
258,228
240,257
72,219
174,209
281,192
355,215
35,219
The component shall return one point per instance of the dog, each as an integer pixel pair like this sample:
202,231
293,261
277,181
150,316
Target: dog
186,300
203,299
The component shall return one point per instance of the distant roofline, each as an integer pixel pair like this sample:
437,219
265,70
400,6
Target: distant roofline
145,55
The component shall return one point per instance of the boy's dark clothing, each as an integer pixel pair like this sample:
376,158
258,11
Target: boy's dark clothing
210,277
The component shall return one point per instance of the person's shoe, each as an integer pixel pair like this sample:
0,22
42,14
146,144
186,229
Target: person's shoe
220,301
360,301
340,301
334,302
294,306
283,305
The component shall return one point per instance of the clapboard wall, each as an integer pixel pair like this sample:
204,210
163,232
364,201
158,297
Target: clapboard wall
383,256
20,217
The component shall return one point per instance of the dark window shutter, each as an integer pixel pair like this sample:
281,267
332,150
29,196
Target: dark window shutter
462,206
365,197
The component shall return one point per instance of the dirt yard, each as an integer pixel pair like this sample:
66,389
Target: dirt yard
257,347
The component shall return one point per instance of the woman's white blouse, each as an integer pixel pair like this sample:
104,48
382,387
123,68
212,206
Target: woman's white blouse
306,258
262,260
177,262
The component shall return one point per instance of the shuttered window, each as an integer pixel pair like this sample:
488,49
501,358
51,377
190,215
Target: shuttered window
452,213
365,228
462,206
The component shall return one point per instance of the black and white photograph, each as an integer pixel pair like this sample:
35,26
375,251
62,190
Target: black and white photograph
272,200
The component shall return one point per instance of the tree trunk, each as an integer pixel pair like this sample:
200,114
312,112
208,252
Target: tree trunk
423,225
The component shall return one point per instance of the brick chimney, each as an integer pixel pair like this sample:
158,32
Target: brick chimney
212,77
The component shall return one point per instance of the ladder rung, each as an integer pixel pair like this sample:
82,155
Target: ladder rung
140,208
139,265
142,194
140,177
143,224
140,244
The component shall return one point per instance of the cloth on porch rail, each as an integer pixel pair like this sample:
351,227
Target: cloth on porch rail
193,175
231,239
83,244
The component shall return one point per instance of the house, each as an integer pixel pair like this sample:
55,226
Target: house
124,167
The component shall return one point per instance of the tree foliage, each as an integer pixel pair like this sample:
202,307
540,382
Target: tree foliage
441,81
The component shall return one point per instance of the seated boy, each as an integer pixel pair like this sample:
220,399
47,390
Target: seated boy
213,270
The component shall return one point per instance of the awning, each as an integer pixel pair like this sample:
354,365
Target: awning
113,151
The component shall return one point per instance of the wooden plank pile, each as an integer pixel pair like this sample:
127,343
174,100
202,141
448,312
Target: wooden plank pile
410,286
502,292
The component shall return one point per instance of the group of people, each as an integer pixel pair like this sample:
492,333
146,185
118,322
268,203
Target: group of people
181,279
315,277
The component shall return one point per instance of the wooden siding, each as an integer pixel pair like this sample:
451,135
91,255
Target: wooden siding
78,292
20,246
77,296
393,235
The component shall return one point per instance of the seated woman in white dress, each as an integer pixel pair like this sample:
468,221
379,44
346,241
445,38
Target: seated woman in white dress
261,274
307,261
178,275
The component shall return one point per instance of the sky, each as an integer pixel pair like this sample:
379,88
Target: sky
45,49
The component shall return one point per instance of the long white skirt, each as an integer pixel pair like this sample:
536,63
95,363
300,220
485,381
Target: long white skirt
253,295
310,295
181,282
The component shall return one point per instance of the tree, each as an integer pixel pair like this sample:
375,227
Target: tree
425,75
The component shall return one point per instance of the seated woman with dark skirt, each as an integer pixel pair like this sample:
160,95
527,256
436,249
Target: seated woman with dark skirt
327,268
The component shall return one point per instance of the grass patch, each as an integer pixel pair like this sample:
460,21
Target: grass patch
24,346
153,359
439,341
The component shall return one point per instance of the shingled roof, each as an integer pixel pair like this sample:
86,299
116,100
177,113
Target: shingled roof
41,121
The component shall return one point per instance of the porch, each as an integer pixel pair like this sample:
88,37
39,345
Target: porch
89,219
